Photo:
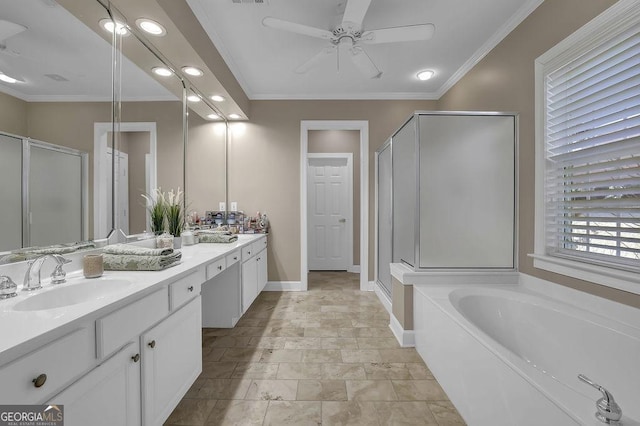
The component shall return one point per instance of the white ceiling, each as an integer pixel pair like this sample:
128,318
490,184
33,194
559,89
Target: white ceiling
57,43
263,60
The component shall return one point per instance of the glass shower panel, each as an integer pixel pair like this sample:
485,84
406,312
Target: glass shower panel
10,192
467,201
404,193
55,196
384,218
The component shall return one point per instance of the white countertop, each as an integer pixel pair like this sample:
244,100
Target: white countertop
23,331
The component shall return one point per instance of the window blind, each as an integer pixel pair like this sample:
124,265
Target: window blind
592,154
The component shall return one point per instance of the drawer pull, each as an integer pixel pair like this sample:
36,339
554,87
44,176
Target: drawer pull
219,267
249,252
235,257
40,380
190,288
136,358
152,344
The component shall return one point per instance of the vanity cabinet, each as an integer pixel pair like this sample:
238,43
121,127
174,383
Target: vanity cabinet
221,293
108,395
39,375
171,362
254,271
150,356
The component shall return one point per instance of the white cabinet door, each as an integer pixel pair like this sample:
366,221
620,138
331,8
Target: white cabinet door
249,283
262,270
171,361
108,395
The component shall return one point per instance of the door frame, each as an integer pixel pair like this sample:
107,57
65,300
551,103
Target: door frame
100,131
363,127
349,157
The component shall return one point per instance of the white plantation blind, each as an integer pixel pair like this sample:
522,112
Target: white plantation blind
592,154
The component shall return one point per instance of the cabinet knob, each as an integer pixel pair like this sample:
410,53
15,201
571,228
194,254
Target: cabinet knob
136,358
152,344
235,257
219,267
190,288
40,380
249,253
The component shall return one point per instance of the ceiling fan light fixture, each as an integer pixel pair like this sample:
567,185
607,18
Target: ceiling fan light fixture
217,98
112,26
8,79
193,71
425,75
162,71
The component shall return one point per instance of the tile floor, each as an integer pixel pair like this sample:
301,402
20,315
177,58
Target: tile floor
323,357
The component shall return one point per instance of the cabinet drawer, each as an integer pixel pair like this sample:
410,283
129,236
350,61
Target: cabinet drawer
184,289
62,361
247,252
232,258
121,326
262,243
214,268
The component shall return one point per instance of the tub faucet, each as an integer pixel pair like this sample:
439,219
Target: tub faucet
32,277
609,411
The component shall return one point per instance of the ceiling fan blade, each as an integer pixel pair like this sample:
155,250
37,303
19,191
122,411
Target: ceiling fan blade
392,35
354,14
9,29
315,59
364,63
279,24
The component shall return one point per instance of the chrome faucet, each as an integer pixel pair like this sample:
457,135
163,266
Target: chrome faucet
609,411
32,277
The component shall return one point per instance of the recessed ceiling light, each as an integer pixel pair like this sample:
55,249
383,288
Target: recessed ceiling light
109,25
196,72
162,71
151,27
7,79
217,98
213,116
234,116
193,98
425,75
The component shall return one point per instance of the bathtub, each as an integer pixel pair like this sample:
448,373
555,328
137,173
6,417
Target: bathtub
508,355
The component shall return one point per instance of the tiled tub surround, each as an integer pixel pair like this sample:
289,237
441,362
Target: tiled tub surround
511,354
77,341
326,356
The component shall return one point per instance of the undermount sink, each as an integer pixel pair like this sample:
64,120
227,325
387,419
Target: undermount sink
71,294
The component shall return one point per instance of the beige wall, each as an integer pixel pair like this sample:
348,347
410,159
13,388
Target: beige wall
205,165
13,115
342,141
504,81
264,165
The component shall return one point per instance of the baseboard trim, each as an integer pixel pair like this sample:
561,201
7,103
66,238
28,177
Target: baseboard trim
283,286
354,269
406,338
384,299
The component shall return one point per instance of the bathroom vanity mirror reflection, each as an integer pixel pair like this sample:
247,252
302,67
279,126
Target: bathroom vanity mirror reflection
61,58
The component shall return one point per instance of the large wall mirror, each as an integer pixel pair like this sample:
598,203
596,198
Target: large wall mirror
62,99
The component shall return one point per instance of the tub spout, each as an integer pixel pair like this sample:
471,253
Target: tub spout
609,411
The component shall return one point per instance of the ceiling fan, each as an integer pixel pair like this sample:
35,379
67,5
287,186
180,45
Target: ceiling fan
352,35
9,29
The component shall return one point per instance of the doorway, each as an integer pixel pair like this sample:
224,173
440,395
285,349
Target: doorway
362,189
330,203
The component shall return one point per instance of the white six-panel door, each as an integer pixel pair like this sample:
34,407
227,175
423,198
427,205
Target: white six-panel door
330,205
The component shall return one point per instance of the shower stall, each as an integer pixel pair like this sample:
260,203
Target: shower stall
446,194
